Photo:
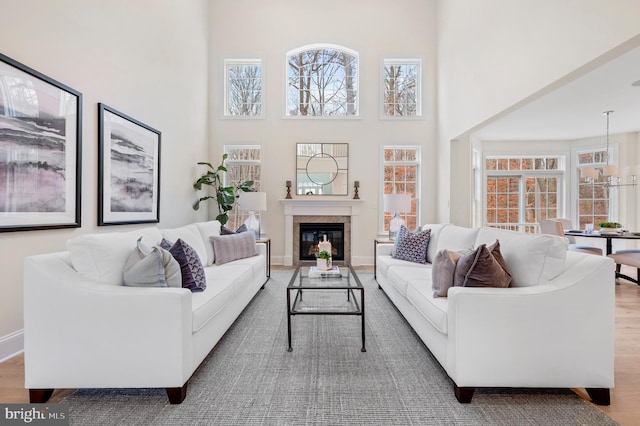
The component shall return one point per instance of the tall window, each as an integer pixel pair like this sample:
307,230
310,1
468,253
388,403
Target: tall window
243,91
401,166
322,81
593,197
522,191
244,163
402,88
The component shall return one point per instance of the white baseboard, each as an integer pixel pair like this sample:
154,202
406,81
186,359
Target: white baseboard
11,345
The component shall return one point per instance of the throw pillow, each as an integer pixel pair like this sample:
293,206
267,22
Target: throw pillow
483,267
191,267
226,231
412,246
233,247
442,271
151,267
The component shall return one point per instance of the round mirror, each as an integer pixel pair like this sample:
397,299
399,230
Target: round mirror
322,169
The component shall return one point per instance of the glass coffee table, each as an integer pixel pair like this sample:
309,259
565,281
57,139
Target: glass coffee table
327,294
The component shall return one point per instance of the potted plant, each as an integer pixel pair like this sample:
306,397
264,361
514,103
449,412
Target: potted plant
323,260
225,196
610,226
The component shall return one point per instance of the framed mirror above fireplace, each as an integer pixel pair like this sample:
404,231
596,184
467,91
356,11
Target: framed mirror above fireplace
322,168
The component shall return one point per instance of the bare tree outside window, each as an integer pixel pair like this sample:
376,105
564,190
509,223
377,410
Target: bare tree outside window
244,88
243,163
401,89
322,82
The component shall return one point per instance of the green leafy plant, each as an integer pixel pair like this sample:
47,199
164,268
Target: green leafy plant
609,225
324,255
225,196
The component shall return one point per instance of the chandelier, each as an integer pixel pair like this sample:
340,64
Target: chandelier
609,171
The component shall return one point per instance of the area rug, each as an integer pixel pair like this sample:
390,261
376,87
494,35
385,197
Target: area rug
249,378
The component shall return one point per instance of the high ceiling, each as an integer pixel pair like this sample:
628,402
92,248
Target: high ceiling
574,110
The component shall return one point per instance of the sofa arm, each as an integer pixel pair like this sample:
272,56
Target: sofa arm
82,333
384,249
559,334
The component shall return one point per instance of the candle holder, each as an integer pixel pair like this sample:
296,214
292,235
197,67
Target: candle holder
356,186
288,197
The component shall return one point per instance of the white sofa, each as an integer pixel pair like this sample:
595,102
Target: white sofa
84,329
552,328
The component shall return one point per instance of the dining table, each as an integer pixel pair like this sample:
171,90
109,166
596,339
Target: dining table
610,236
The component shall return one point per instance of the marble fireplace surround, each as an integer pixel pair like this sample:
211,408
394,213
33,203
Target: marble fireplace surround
318,209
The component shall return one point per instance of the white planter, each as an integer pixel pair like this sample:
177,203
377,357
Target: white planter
323,264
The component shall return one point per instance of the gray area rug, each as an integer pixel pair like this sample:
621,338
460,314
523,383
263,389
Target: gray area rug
249,378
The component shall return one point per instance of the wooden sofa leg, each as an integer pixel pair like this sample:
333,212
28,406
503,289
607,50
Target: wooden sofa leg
177,395
600,396
463,395
39,396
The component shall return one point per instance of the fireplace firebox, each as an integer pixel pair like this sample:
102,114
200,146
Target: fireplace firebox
312,233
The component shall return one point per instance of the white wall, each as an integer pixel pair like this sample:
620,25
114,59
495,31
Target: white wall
267,30
494,53
146,58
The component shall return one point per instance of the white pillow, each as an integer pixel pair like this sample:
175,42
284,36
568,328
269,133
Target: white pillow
208,229
102,257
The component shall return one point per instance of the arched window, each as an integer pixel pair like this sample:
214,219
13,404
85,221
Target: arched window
322,81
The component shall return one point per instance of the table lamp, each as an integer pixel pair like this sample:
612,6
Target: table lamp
396,204
252,201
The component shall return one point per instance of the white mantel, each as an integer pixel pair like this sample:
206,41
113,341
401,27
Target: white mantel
317,205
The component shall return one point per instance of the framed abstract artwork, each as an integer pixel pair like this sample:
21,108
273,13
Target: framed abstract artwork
40,150
128,169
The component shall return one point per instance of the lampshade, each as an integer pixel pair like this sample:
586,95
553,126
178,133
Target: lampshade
611,170
588,173
252,201
397,203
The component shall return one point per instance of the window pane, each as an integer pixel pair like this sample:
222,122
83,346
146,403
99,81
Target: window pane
401,176
243,88
322,82
401,85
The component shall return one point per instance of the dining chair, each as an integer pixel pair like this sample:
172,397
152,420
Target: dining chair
567,224
554,227
630,257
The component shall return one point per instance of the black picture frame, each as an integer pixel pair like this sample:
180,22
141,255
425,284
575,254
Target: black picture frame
40,150
128,169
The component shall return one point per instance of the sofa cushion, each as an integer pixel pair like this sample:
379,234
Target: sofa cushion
442,272
151,267
412,246
436,230
399,276
532,258
434,310
206,230
191,268
191,235
484,267
225,282
233,247
457,238
102,257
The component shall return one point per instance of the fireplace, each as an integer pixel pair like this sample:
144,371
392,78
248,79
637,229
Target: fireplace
312,233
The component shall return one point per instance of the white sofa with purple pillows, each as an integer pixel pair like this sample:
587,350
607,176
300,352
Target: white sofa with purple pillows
118,311
499,308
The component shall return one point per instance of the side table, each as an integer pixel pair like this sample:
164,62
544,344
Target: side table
376,241
267,241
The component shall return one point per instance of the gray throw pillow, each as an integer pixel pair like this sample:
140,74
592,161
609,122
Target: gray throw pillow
484,267
151,267
191,267
233,247
226,231
442,271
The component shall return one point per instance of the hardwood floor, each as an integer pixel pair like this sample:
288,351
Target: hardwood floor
624,397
